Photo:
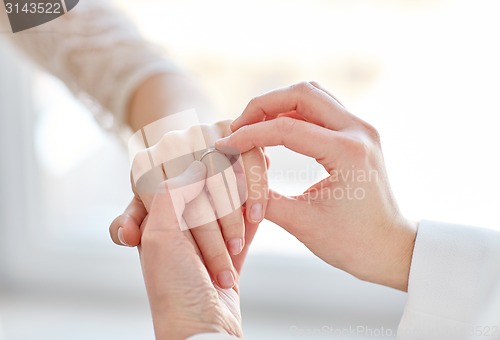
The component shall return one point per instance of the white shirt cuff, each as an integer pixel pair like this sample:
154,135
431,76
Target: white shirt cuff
454,273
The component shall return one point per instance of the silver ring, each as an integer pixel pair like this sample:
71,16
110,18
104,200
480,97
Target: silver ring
208,152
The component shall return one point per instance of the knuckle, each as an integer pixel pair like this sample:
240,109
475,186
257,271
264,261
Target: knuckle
223,127
315,83
286,125
356,148
204,128
303,87
166,145
372,132
254,101
215,257
254,104
166,138
243,131
232,226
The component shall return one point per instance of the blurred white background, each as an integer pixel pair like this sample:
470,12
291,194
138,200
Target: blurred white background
425,73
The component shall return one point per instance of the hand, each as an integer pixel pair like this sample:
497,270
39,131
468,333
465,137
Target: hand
176,150
350,219
183,299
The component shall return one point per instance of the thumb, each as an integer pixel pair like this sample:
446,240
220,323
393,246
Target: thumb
289,213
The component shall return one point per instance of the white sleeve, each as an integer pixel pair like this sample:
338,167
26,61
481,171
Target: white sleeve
93,49
454,284
212,336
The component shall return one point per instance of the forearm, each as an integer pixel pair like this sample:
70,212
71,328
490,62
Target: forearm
109,60
165,94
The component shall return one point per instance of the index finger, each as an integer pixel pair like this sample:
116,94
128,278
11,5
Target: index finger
297,135
305,99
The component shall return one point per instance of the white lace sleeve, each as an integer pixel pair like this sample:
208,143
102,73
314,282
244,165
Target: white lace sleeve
93,49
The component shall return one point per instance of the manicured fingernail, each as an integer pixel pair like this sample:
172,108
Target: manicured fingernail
256,213
225,279
121,238
235,246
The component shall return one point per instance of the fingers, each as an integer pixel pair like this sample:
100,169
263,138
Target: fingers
146,185
210,241
125,229
203,215
201,220
162,237
239,260
319,87
187,188
302,137
255,166
174,194
307,100
223,188
169,203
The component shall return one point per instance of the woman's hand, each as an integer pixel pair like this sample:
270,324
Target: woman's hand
215,217
350,219
183,299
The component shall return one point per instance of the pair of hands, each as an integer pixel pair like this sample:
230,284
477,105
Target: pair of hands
186,217
183,299
350,219
214,218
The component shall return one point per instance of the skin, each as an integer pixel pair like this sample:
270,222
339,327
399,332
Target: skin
364,235
183,299
219,238
350,219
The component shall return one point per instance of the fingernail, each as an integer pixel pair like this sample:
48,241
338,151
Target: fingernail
235,246
256,213
225,279
121,238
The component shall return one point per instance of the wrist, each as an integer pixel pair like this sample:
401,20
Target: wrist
162,95
386,259
176,329
402,245
171,322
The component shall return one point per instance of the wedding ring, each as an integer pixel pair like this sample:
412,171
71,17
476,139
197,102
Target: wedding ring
208,152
